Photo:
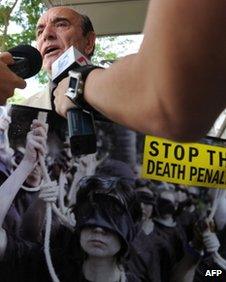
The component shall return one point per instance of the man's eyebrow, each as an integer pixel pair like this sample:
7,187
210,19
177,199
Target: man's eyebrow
56,20
59,19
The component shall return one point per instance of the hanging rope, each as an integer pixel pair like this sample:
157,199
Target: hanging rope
32,189
42,117
49,207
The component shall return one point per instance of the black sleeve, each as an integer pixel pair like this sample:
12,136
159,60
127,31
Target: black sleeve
22,262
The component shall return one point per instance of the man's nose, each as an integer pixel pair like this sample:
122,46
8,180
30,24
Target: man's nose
49,33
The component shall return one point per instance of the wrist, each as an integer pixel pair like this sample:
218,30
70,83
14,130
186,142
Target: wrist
27,165
76,89
91,85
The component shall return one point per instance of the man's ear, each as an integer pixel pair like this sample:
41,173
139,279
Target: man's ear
90,43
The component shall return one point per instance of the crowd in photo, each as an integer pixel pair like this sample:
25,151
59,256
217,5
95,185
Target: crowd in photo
92,218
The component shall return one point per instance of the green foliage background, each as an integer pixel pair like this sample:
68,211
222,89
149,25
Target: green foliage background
23,13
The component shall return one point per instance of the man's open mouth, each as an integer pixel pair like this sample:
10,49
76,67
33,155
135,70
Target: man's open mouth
50,50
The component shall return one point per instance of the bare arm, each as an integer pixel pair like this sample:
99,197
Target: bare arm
8,191
36,142
177,75
175,86
10,187
8,80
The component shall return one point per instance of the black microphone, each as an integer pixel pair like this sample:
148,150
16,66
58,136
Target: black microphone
28,61
80,123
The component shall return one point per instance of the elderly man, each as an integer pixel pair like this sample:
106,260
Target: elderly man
57,30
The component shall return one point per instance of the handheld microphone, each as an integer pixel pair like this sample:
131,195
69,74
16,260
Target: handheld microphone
70,59
80,123
28,61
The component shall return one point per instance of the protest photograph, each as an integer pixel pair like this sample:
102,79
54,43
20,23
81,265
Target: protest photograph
112,141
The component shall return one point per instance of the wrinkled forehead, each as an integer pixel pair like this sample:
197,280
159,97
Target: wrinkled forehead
59,12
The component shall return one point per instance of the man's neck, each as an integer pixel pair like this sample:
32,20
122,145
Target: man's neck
97,269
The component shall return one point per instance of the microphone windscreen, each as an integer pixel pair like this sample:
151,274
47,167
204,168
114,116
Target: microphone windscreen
32,56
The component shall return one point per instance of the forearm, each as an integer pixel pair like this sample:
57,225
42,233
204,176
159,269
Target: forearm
176,76
187,60
116,93
11,186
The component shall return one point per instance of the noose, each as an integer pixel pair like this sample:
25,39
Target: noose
49,207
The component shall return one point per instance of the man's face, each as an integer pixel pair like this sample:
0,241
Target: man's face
57,30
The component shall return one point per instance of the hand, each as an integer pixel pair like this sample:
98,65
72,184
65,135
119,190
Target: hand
62,102
36,142
49,192
8,80
211,241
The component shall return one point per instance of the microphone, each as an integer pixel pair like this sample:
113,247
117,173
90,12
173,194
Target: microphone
70,59
80,123
28,61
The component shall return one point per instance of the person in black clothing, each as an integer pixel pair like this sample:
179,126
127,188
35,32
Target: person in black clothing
187,213
167,228
150,247
106,212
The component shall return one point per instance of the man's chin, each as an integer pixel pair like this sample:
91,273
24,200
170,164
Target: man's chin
47,64
47,67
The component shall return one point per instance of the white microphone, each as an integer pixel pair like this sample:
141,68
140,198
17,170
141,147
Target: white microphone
70,59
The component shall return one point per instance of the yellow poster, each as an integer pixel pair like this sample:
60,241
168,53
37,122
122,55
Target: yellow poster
184,163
